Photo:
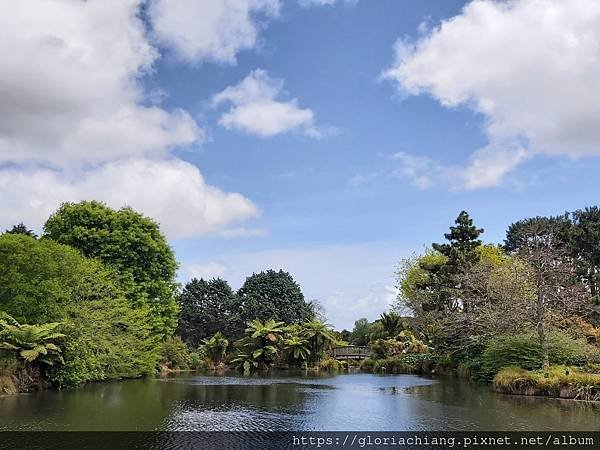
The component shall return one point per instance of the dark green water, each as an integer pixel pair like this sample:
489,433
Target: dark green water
286,401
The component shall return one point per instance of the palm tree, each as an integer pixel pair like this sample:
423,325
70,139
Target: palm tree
262,346
215,347
392,323
298,348
320,337
31,342
269,330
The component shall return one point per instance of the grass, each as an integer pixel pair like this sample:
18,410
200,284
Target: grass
559,381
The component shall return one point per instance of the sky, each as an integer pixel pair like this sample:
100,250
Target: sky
327,138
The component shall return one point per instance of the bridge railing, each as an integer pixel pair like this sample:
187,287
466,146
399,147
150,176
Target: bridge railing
350,352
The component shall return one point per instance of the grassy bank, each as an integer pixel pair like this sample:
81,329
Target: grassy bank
559,381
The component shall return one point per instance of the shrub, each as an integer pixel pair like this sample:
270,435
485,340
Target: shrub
367,364
329,363
524,350
175,353
106,340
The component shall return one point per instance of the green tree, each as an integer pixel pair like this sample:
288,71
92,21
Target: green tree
131,244
263,343
271,295
544,247
215,347
298,348
205,308
42,281
40,278
360,332
460,251
393,323
518,236
20,228
423,283
585,248
463,242
320,337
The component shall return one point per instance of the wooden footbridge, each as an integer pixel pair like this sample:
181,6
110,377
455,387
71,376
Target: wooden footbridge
350,352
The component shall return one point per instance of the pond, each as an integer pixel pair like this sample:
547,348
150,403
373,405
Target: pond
292,401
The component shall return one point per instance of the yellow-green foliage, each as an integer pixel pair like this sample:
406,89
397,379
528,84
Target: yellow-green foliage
414,272
559,381
329,363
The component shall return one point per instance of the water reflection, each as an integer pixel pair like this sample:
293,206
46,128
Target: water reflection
291,401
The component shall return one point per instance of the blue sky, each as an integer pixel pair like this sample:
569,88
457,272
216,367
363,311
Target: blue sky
327,138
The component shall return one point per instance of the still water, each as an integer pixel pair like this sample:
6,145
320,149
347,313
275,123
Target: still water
287,401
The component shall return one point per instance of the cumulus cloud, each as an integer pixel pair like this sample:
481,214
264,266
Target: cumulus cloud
255,108
76,122
210,30
530,67
486,167
70,86
171,191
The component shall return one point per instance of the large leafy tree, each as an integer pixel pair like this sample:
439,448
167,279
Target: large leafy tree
585,248
131,244
360,332
271,295
105,337
205,308
543,245
518,235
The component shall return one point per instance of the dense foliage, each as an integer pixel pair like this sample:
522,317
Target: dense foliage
206,307
129,243
271,295
43,281
530,303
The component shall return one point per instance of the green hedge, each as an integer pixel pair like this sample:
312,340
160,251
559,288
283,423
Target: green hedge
524,350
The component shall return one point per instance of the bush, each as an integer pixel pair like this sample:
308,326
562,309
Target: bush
195,361
106,340
418,363
368,364
524,351
329,363
175,353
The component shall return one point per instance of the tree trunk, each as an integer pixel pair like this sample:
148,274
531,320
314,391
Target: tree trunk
541,329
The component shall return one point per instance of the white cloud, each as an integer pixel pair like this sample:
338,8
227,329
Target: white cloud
531,67
256,110
76,123
308,3
361,285
486,167
213,30
70,87
172,192
207,271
